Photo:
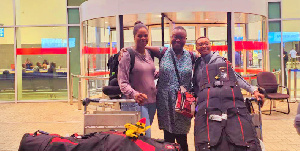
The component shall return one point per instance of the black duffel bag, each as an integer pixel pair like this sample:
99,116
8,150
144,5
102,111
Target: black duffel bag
102,141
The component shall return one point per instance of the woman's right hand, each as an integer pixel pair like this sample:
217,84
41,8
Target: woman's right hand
140,98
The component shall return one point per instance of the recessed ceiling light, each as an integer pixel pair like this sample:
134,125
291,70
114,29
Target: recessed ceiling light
206,19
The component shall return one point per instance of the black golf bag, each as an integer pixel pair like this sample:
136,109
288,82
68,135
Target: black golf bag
102,141
222,121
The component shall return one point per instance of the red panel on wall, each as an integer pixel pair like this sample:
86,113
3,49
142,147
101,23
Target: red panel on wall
250,45
252,71
240,45
98,50
97,73
41,51
219,48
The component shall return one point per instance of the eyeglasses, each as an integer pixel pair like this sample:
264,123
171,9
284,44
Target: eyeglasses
178,37
202,44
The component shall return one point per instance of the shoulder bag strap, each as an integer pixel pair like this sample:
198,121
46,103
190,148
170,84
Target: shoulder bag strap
132,58
176,70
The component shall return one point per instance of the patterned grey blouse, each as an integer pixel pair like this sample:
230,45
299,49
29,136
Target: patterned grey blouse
167,88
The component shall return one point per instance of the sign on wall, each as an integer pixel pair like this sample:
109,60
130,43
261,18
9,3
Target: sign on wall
1,32
56,43
275,37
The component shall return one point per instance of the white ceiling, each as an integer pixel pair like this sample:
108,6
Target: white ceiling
177,17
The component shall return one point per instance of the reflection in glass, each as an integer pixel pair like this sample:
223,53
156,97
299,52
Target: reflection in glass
274,11
250,44
99,44
73,16
7,66
291,39
42,63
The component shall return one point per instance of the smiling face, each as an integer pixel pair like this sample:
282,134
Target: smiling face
178,39
203,46
141,37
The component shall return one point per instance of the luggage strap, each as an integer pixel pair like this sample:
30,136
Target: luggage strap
218,84
219,118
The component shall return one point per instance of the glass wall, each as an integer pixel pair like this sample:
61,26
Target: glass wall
7,66
274,10
99,45
275,45
74,34
284,20
36,32
191,37
250,35
41,62
250,43
291,41
218,37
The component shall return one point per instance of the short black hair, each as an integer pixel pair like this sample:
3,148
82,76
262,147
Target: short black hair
201,38
179,28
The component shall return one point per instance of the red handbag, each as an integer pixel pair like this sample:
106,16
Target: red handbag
185,104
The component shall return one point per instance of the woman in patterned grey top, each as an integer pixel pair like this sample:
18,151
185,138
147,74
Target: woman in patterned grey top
175,125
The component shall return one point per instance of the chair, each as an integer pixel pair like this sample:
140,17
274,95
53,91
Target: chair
267,84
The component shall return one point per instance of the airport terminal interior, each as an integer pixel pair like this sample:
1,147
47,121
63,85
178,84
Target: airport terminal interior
35,44
50,51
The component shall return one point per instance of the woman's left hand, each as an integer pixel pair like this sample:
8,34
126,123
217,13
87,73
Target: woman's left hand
140,98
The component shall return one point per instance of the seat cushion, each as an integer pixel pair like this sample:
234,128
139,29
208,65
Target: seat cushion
268,81
277,96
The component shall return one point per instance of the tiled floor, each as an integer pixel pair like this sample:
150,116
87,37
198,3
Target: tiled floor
64,119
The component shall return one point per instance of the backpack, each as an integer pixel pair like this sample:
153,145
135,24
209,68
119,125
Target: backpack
101,141
113,62
113,89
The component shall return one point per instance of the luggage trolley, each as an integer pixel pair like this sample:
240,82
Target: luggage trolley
110,117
